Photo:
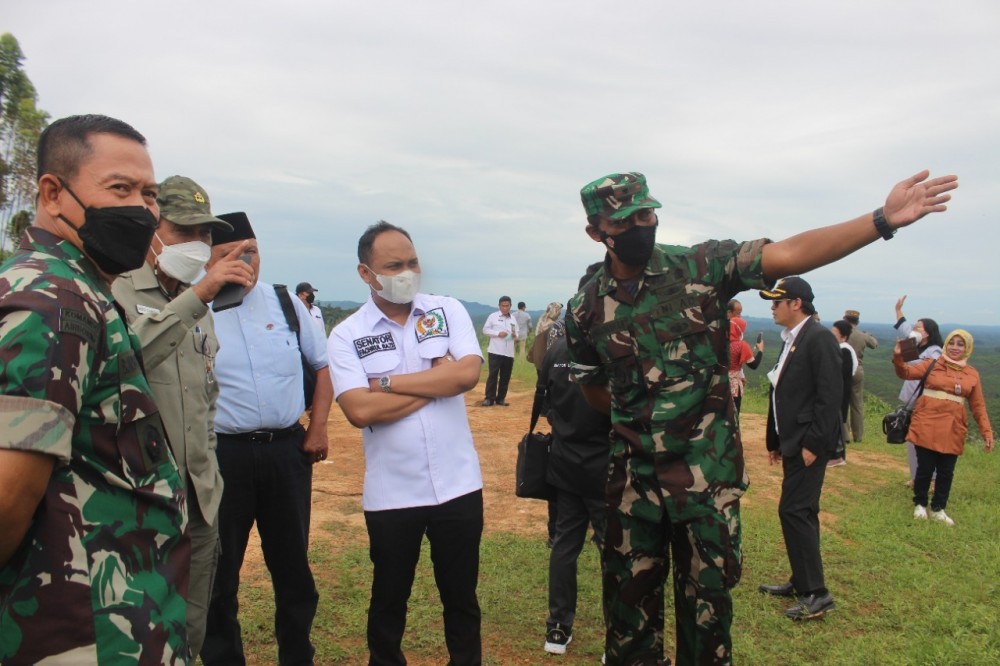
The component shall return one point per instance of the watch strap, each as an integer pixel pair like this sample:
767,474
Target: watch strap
881,225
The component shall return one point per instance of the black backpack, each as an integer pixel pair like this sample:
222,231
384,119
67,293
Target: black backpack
308,374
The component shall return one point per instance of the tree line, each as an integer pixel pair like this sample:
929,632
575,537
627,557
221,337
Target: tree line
21,123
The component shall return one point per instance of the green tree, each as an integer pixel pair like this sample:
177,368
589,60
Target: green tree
21,123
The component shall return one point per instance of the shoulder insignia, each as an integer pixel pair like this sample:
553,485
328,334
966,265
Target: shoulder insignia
433,324
374,343
78,323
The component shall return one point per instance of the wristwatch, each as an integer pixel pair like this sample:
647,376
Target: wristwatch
881,226
385,383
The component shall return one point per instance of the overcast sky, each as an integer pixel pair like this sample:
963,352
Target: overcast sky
474,126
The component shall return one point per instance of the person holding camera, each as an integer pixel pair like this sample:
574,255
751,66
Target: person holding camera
940,422
929,344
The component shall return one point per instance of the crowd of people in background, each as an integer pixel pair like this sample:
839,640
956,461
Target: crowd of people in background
160,400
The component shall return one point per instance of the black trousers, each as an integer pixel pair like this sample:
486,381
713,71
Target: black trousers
271,484
929,464
575,514
454,530
500,367
798,510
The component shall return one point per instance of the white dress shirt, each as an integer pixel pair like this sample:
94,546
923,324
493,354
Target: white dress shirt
495,323
788,335
258,366
317,316
428,457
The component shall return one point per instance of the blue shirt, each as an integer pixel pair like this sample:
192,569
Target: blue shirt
258,365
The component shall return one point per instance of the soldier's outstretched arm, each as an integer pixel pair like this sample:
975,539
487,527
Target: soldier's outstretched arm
908,201
24,476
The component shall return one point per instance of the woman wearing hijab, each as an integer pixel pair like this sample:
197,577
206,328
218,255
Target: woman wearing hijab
939,422
929,345
848,366
545,322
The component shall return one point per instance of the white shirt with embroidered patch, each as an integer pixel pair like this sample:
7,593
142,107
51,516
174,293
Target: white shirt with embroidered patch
428,457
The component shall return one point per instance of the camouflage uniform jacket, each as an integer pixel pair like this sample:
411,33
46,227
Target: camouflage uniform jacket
664,354
101,574
178,350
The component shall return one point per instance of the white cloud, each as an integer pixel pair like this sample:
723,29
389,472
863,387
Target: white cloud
474,127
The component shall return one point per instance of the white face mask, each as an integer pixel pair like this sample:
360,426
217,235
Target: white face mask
399,289
183,261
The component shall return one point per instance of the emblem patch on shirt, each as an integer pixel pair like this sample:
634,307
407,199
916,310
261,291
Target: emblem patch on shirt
433,324
374,343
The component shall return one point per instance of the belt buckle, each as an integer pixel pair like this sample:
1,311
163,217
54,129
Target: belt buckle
261,437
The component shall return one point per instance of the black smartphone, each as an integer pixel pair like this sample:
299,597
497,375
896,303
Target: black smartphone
760,338
231,293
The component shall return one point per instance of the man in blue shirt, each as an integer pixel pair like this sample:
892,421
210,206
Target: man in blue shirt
265,456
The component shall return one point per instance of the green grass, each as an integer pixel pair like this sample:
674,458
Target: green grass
907,592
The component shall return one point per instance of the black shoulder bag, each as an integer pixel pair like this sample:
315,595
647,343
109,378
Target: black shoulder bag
308,374
533,458
896,424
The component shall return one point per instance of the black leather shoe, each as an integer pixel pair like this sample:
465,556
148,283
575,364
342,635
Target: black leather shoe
487,403
783,590
811,607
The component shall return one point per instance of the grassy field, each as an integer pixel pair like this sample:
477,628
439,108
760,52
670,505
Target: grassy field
907,592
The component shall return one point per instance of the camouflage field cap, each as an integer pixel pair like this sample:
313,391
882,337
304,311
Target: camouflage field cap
184,202
617,196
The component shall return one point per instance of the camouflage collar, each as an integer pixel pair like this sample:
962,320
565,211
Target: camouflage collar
657,265
45,242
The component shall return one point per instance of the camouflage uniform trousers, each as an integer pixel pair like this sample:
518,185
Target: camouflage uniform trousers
703,532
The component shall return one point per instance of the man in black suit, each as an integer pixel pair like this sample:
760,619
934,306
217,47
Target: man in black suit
803,427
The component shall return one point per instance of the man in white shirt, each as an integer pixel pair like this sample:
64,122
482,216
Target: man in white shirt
502,330
400,365
523,320
307,294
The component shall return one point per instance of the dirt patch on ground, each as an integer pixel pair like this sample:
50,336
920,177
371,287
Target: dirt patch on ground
337,483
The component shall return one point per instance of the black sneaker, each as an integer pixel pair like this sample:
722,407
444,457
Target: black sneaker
487,403
557,638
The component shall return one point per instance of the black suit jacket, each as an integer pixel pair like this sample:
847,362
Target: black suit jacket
807,395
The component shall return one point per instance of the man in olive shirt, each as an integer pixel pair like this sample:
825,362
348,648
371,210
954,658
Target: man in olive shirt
175,329
859,341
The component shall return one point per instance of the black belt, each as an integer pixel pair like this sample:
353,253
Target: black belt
263,436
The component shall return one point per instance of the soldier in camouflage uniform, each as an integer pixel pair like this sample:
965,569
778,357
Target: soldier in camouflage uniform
648,340
93,551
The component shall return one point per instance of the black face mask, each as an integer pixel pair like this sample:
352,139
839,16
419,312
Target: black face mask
116,238
633,247
310,298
